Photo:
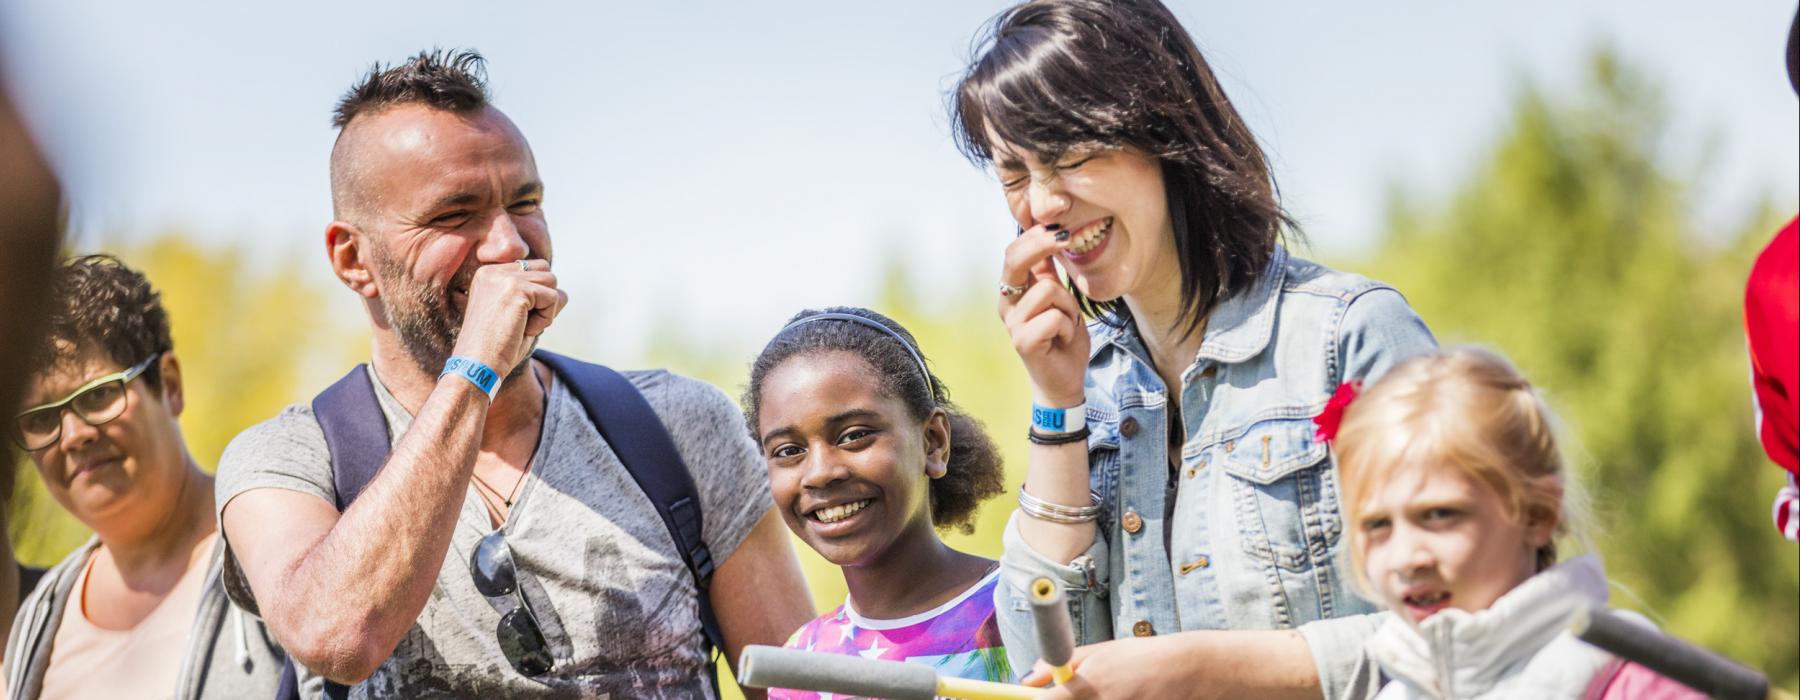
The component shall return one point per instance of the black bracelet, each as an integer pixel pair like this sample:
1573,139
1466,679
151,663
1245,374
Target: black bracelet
1039,438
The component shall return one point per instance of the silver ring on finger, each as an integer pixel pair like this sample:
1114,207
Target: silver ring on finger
524,266
1008,290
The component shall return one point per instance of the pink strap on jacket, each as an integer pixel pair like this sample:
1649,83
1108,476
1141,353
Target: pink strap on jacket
1622,680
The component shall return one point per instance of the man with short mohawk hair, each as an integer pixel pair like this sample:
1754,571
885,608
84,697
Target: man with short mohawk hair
495,538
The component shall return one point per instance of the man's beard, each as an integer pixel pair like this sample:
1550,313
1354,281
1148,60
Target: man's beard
424,316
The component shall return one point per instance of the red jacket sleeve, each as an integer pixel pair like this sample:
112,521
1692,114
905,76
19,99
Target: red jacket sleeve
1772,324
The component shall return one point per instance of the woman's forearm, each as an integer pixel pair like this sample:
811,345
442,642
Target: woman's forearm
1058,474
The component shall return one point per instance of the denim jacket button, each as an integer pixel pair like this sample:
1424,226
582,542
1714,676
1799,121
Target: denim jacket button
1132,522
1128,427
1204,460
1142,628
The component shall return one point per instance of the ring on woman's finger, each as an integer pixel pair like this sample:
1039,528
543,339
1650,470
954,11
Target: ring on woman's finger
1007,290
524,266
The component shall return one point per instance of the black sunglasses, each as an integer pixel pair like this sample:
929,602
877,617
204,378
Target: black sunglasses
521,639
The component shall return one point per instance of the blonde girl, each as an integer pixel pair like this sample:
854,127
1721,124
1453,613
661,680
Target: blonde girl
1456,498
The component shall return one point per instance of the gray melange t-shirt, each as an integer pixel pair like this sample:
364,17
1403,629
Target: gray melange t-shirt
584,536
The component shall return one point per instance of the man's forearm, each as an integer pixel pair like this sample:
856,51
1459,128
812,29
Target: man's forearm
378,564
759,593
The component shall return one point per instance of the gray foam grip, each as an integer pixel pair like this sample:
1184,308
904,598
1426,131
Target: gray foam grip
1056,636
1682,662
772,667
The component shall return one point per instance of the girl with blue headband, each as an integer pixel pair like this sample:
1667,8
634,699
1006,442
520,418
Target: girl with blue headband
868,460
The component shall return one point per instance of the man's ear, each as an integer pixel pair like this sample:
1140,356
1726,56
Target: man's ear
937,444
169,369
348,250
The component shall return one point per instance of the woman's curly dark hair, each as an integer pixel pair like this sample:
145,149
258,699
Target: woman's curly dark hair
975,471
98,304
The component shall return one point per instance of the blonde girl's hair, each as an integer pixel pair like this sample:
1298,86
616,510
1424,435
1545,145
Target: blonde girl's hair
1466,409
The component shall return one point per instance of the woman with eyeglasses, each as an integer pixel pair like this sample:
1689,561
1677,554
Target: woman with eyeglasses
1174,485
140,609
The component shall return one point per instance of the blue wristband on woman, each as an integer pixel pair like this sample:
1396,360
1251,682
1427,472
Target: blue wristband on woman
1058,420
482,376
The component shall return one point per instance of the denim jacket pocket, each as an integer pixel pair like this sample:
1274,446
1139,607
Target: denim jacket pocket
1284,493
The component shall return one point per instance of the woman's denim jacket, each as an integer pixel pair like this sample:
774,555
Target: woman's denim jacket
1256,520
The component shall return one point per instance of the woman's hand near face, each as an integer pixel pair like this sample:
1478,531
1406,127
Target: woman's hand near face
1046,328
1045,320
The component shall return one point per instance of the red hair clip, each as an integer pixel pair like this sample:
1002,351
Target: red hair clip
1329,419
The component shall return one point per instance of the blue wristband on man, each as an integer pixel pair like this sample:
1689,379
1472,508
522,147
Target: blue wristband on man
481,375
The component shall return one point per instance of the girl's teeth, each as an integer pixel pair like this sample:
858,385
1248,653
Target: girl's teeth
836,513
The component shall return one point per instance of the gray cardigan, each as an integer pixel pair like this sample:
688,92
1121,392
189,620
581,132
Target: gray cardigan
230,654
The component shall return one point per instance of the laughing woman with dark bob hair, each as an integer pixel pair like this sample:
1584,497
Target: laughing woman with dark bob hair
1175,488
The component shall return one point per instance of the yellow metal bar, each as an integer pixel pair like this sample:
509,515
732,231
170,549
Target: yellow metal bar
983,690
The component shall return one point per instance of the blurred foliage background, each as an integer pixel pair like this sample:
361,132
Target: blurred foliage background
1568,246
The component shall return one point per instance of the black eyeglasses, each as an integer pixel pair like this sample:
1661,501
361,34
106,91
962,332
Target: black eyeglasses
95,403
521,639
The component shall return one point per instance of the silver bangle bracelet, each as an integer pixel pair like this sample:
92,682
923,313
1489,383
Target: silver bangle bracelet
1058,513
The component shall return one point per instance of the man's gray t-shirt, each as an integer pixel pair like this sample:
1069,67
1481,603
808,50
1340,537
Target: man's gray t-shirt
585,539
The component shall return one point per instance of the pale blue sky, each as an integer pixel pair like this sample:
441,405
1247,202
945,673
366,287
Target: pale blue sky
732,162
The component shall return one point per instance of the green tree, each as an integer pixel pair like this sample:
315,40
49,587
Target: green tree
1572,249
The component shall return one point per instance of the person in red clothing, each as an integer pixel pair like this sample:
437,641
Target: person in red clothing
1772,327
1772,322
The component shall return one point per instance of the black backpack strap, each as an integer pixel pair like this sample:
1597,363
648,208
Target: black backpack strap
631,428
288,688
356,433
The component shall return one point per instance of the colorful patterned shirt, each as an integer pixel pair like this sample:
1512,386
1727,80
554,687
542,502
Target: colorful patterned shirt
959,638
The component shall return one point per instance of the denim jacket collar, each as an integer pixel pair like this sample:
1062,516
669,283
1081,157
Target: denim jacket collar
1238,328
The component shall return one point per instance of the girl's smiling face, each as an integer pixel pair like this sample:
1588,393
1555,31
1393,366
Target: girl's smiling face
1432,538
849,466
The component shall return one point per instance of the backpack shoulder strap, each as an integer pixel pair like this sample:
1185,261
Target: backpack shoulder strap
356,433
631,428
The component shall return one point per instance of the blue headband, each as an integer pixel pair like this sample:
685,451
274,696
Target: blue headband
872,323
